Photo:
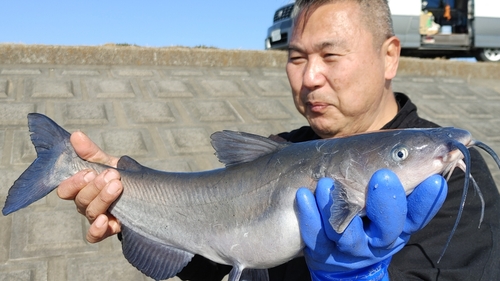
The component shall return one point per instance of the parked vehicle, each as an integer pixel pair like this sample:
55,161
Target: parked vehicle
427,28
278,35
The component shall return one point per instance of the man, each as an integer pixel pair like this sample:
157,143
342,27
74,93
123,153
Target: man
342,58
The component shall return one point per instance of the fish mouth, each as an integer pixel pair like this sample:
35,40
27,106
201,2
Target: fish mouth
459,157
454,159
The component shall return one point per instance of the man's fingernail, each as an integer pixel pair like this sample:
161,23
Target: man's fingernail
110,175
113,188
90,176
100,222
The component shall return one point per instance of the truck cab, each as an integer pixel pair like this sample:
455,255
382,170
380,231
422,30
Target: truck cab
426,28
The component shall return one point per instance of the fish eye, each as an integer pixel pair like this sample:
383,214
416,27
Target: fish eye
400,153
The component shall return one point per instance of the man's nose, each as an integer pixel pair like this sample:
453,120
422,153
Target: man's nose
314,76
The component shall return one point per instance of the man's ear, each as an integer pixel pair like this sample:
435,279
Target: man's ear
391,50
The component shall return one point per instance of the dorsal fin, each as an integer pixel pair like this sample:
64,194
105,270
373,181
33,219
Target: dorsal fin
238,147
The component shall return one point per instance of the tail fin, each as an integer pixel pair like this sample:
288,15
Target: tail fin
51,143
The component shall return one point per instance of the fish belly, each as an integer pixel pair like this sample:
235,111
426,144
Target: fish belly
257,229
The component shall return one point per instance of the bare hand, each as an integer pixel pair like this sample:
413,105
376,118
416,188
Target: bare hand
93,193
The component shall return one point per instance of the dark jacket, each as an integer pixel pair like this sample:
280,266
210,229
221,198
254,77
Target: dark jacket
473,253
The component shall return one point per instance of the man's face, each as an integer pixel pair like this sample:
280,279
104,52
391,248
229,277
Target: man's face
335,71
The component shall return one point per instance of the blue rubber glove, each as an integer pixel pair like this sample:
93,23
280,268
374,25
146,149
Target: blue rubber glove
364,250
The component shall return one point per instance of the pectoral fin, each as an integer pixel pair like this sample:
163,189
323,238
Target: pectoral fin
153,258
343,209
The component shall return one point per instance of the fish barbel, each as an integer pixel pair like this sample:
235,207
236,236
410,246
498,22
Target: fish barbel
242,215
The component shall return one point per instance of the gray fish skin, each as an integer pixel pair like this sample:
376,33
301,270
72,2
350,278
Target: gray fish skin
242,215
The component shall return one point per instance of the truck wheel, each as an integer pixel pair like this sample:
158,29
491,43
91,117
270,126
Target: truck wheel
489,55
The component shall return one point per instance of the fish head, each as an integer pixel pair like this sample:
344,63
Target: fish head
412,154
416,154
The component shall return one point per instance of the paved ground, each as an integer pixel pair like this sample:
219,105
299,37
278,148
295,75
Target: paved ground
163,117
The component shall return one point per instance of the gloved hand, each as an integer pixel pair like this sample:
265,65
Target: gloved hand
364,250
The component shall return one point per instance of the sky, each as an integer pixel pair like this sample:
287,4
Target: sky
232,24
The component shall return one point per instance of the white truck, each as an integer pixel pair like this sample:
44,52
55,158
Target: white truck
427,28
